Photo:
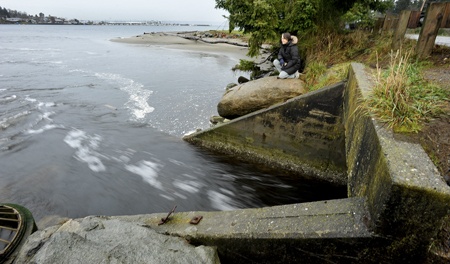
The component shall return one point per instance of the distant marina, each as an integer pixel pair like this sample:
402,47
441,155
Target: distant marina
153,23
62,21
17,17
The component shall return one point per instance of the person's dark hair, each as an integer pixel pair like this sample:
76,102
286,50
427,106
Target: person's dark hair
287,36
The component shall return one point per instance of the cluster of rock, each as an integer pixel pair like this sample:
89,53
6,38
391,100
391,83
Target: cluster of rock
96,239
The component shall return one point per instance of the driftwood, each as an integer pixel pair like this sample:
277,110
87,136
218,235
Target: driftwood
212,41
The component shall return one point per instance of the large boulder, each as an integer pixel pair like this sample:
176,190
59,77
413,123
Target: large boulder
258,94
97,239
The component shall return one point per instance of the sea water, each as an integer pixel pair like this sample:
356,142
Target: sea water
94,127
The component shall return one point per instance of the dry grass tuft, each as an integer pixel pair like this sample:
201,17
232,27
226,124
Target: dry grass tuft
401,97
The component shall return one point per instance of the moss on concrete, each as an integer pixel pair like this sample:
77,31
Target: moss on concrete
403,199
303,136
406,197
334,230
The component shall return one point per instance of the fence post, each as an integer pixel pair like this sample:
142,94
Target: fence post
446,20
400,30
430,28
389,21
414,19
379,25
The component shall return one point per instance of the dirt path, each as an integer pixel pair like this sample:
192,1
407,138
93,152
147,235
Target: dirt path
435,137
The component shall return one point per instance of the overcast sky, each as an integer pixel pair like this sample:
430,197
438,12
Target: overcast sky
164,10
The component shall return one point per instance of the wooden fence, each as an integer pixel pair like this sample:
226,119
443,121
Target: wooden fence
437,16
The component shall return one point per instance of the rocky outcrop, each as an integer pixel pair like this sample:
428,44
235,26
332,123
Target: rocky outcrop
109,240
258,94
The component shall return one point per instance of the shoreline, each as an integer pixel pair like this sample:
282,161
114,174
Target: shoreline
189,42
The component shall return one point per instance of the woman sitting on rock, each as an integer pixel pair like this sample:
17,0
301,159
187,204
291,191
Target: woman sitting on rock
288,63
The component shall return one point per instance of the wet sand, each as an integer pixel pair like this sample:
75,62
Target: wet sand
178,41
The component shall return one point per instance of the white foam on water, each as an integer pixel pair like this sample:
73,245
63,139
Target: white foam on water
46,104
85,147
177,162
188,186
138,96
124,159
228,192
30,49
167,197
184,197
43,129
148,171
190,133
7,99
46,116
220,201
189,176
40,105
50,62
124,155
11,120
78,70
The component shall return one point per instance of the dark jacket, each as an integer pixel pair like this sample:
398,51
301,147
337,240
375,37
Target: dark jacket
289,53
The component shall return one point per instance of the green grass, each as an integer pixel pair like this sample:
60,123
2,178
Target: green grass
317,75
402,98
441,31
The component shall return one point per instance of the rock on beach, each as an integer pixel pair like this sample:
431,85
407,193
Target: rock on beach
97,239
258,94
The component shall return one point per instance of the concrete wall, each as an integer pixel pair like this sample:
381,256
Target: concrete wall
406,196
320,232
304,135
401,197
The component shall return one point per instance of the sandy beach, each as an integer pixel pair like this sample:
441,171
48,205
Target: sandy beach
233,48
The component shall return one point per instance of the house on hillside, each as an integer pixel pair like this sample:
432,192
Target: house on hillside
14,19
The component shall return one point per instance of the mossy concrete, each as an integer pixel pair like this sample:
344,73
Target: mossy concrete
401,198
304,136
317,232
406,196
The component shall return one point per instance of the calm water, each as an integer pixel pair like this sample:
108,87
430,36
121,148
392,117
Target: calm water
93,127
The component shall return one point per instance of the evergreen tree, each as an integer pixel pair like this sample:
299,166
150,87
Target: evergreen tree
3,12
266,19
401,5
417,4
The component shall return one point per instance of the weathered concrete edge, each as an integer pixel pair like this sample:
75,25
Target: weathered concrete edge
406,196
255,136
341,218
318,228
